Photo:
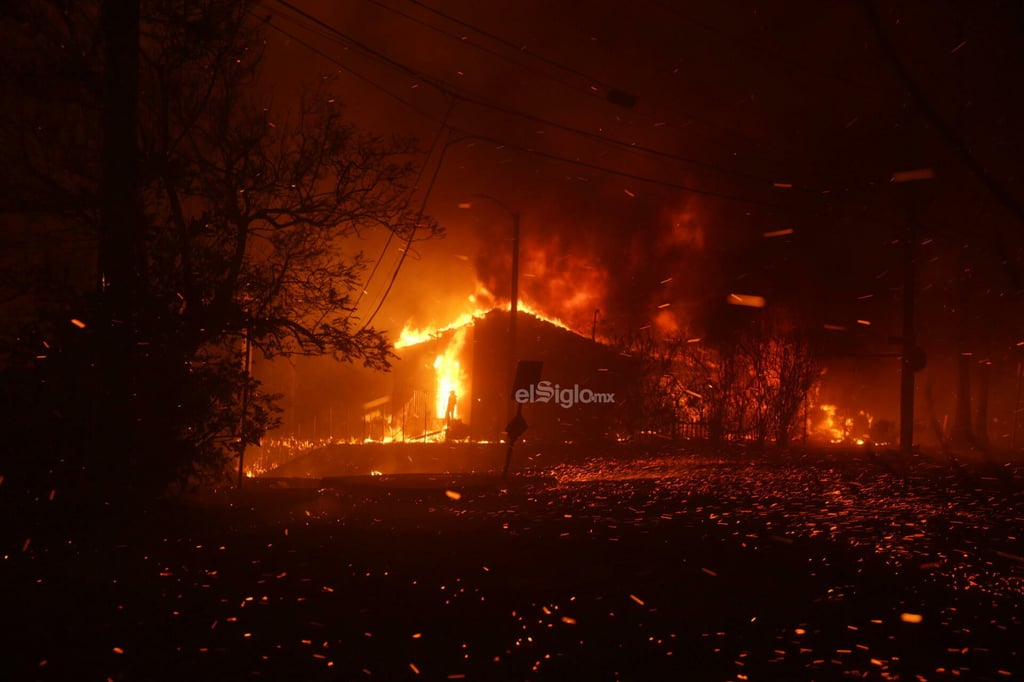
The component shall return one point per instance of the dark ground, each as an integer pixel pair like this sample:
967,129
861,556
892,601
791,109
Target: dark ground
795,566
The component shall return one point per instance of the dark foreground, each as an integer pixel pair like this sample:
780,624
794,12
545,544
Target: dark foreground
794,567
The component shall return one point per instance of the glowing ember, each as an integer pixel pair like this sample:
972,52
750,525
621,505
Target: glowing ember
911,175
746,300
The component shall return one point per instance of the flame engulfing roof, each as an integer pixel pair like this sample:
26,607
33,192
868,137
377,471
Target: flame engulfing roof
412,337
472,362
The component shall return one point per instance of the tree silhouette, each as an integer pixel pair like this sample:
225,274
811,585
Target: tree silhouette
246,238
749,384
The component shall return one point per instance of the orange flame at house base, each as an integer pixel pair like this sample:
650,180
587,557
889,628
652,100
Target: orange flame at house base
450,375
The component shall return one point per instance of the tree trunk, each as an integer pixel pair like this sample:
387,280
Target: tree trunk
981,416
118,236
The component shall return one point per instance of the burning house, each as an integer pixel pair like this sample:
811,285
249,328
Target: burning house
456,383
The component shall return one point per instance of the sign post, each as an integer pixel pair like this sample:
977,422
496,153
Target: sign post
527,375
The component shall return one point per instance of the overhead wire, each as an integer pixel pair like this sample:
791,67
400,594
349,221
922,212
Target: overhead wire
369,81
471,98
423,207
510,44
622,144
752,48
689,116
624,174
457,92
463,40
555,157
376,54
391,233
677,12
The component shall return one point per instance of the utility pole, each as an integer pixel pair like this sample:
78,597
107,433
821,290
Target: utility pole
247,367
1016,405
910,351
119,205
912,357
962,434
514,305
118,231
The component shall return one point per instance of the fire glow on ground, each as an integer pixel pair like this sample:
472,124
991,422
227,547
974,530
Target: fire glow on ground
796,566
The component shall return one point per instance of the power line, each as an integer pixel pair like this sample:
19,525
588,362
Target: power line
624,174
613,141
514,46
485,138
750,47
462,40
365,48
569,69
419,216
555,157
458,96
345,68
443,130
391,233
956,143
459,93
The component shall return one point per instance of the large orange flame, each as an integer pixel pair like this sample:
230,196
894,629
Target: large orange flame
451,375
565,281
450,372
477,306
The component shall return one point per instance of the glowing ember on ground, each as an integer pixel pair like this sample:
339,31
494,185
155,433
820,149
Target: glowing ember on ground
781,556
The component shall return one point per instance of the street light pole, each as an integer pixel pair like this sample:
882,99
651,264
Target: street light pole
514,305
247,368
912,357
910,352
514,294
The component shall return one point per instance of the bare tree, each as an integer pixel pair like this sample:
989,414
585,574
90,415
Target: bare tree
657,400
746,386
